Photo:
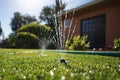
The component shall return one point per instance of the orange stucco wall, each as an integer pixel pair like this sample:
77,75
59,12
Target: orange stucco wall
112,22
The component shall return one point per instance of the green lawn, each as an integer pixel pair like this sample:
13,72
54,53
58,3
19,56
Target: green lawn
29,64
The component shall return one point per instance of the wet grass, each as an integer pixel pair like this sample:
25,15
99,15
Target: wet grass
30,64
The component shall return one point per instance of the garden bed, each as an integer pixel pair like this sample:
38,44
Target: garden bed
107,53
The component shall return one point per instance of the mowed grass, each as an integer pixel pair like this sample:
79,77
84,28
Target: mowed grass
30,64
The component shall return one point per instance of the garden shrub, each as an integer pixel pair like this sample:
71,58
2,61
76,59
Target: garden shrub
77,43
37,29
42,32
116,45
10,42
26,40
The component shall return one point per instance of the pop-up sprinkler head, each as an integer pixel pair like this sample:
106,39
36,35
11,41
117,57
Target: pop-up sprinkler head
63,61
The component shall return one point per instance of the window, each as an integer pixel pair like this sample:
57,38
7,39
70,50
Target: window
67,23
95,29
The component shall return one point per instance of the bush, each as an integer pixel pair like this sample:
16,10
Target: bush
42,32
9,42
77,43
37,29
26,40
116,45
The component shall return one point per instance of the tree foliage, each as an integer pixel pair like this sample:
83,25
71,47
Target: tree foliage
19,20
2,35
27,36
10,42
49,13
21,40
0,29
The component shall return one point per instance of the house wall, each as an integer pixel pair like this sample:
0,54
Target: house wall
112,22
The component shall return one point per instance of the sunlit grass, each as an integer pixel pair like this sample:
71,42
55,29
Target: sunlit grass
30,65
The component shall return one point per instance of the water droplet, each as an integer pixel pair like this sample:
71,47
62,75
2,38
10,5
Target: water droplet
63,78
54,68
3,70
24,77
119,66
84,74
10,71
67,70
119,69
87,77
71,74
91,72
51,73
14,68
108,66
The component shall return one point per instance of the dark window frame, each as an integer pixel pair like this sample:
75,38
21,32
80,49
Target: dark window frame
90,24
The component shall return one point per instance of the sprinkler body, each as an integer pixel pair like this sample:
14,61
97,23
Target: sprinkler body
63,61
